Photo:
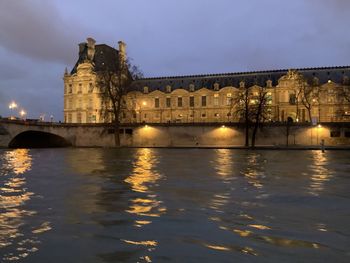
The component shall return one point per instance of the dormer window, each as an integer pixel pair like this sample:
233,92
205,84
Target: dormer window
269,83
346,80
242,84
168,88
145,89
216,86
191,87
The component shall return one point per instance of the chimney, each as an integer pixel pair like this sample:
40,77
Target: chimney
91,48
81,47
122,52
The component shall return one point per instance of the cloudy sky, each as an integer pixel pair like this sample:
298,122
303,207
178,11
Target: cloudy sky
39,38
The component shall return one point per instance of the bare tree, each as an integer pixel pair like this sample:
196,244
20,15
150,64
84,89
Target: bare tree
114,86
252,110
242,110
309,96
258,111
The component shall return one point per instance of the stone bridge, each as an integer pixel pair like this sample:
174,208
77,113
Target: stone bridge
26,134
16,134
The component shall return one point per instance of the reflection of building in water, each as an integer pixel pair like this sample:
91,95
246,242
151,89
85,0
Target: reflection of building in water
86,161
319,173
89,162
146,204
13,196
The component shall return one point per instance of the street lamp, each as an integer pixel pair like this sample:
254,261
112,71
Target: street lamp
12,106
23,114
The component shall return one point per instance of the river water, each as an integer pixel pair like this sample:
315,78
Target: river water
174,205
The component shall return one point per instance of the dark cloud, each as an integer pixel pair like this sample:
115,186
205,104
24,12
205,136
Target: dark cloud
165,38
37,30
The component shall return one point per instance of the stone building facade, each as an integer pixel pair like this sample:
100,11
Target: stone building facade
205,98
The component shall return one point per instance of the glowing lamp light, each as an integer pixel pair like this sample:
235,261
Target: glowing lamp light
144,103
223,126
22,113
319,126
12,105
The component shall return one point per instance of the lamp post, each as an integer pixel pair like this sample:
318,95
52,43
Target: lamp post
319,126
12,106
144,104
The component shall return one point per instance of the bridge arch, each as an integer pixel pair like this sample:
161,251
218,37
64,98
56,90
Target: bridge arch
38,139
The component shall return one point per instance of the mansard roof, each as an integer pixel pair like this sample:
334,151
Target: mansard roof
259,78
105,57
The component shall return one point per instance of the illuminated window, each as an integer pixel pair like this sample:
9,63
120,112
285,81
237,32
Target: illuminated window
269,98
228,99
216,99
217,115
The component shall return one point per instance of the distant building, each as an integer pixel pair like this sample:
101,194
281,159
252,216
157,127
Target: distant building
203,98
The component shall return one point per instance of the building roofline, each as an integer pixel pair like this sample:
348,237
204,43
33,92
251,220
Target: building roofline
242,73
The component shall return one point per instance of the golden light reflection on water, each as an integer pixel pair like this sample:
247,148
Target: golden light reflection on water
143,177
13,195
146,205
143,173
17,161
224,162
251,172
320,175
227,248
223,167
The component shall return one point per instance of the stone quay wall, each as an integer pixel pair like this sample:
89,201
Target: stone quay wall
185,135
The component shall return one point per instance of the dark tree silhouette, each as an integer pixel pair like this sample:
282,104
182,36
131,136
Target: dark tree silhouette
114,86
